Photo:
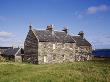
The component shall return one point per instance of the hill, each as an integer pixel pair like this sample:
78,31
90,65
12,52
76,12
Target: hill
101,53
89,71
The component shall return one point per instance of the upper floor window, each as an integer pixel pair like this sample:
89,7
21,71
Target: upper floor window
63,46
53,46
71,46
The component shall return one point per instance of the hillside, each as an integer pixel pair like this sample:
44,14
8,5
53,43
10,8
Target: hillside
89,71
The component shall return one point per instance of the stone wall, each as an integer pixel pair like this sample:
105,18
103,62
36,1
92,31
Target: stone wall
31,48
83,53
2,51
18,56
53,52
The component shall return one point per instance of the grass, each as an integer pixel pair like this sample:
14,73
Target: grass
89,71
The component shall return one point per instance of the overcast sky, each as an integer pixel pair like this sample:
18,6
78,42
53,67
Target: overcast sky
90,16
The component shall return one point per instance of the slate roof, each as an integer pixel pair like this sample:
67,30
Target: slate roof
81,41
11,51
5,47
53,36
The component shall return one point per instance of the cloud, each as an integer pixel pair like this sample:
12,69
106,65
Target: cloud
91,10
4,34
10,39
11,42
96,9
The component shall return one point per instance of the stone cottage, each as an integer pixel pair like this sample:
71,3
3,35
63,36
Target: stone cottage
3,49
83,48
49,46
13,54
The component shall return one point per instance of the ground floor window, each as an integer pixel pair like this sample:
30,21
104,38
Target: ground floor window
63,57
45,59
54,56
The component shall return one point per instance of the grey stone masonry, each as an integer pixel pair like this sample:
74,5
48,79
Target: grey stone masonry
49,46
31,48
50,52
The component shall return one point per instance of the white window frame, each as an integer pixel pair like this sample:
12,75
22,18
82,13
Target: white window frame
45,59
53,46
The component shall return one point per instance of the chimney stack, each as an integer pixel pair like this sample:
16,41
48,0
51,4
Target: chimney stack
49,27
65,30
30,27
81,33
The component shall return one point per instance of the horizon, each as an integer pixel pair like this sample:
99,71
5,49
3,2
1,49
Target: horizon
92,17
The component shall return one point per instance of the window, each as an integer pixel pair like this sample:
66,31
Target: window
81,48
53,46
45,59
71,45
63,46
76,51
87,49
63,56
54,56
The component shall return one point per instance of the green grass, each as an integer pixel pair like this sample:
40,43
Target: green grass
89,71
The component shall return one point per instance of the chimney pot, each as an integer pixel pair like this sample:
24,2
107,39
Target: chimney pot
81,33
49,27
65,30
30,27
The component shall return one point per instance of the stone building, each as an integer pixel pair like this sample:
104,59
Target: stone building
3,49
49,46
14,54
83,48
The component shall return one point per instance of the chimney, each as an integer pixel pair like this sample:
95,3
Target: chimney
30,27
49,27
81,33
65,30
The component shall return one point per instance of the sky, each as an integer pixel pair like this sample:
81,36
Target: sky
90,16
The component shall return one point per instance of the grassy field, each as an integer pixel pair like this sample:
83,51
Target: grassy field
89,71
